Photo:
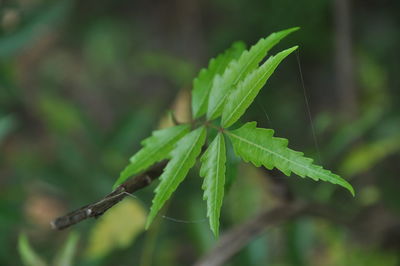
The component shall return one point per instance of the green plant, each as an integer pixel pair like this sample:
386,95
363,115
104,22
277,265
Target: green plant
225,89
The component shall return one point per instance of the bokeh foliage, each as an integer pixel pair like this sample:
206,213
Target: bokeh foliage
83,82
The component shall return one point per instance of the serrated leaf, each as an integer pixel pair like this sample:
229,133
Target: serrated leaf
202,84
259,146
237,70
183,158
155,148
213,171
247,90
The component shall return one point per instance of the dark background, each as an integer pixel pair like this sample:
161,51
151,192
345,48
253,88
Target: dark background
83,82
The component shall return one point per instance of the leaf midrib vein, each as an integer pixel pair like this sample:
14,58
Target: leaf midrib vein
181,165
248,93
280,156
217,178
239,74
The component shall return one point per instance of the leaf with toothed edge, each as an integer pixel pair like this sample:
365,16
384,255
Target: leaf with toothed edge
183,158
238,69
259,146
227,87
213,171
202,84
247,90
155,148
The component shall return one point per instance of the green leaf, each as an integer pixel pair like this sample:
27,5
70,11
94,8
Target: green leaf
28,255
202,84
155,148
247,90
183,158
213,171
237,70
258,146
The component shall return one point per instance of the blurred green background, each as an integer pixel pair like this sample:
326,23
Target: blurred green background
83,82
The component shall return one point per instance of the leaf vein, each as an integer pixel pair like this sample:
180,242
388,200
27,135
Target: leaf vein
277,154
247,94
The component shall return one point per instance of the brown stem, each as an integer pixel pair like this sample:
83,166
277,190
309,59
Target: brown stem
236,239
98,208
233,241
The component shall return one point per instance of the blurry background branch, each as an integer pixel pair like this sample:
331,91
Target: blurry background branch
235,239
83,82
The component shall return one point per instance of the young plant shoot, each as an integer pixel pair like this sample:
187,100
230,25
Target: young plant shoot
223,91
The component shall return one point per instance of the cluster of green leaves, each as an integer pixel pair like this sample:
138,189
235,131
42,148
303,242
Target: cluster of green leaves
225,89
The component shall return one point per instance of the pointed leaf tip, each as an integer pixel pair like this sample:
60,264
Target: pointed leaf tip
259,146
213,170
203,82
293,29
247,90
238,69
